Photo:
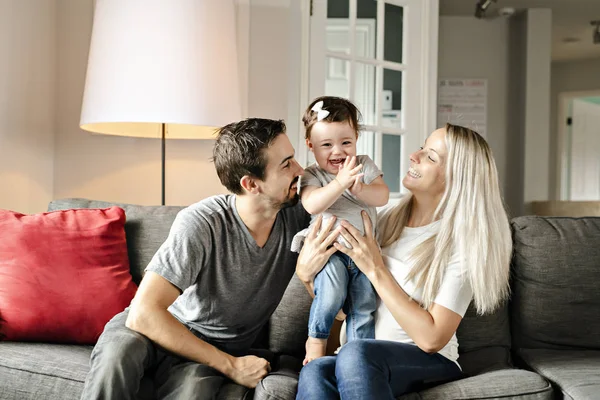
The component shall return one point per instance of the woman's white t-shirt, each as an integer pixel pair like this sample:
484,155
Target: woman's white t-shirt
455,291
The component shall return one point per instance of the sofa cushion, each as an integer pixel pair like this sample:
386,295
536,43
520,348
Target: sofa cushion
34,371
288,327
63,274
484,341
503,384
282,383
556,269
575,372
42,371
146,228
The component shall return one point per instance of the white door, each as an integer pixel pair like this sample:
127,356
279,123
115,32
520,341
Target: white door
370,51
584,171
337,74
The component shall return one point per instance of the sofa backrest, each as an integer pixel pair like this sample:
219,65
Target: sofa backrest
288,327
555,282
146,228
484,341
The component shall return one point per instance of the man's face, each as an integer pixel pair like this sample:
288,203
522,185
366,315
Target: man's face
280,184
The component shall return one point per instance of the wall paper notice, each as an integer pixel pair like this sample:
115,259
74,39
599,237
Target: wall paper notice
463,102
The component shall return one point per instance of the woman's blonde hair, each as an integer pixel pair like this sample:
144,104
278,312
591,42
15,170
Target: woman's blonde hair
473,223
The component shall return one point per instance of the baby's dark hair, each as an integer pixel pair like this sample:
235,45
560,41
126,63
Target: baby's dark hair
340,110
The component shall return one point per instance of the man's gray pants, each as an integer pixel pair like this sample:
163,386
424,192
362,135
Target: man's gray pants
122,357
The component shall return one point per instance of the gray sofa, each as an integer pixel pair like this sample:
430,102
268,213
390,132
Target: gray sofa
543,344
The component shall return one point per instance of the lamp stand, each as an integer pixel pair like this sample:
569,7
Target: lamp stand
163,146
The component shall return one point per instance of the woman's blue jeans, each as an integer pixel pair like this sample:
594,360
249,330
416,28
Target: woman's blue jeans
373,369
341,285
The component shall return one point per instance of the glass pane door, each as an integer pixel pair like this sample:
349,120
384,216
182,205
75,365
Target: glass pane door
371,52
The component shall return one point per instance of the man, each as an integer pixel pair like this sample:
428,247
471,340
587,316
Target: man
214,282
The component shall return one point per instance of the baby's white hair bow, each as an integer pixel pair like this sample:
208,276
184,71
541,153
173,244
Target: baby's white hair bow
318,108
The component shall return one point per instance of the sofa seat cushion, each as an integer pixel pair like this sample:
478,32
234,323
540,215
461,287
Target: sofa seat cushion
34,371
575,372
282,383
502,384
42,371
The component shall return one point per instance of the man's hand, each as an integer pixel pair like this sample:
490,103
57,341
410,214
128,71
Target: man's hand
315,252
364,250
348,173
249,370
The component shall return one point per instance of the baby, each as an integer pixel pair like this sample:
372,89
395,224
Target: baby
340,184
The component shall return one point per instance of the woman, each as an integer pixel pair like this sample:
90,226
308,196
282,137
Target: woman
445,244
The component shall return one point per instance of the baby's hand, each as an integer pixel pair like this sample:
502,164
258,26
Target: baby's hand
357,186
348,173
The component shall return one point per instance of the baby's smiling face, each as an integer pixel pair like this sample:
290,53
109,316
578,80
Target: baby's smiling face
331,143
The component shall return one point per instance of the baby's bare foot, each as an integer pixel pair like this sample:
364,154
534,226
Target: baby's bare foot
315,348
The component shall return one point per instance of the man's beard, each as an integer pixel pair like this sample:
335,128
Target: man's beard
291,202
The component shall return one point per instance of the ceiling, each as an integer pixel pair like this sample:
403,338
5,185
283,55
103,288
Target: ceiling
570,20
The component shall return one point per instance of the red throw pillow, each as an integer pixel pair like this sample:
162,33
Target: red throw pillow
63,274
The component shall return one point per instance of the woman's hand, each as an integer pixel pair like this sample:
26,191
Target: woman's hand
316,251
364,252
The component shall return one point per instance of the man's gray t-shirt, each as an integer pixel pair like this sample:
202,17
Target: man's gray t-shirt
347,206
230,286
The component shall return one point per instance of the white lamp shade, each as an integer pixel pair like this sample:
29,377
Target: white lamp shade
162,61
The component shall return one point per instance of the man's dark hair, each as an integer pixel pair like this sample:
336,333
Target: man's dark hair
240,150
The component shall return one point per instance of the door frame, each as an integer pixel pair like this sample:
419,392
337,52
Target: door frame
562,168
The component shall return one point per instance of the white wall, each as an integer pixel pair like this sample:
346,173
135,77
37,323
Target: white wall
116,168
514,57
537,105
268,60
128,169
44,40
274,57
567,77
44,154
275,64
27,103
474,48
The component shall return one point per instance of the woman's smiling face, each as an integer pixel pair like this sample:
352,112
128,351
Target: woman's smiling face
426,174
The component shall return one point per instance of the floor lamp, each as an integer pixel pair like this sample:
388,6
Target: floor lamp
162,69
